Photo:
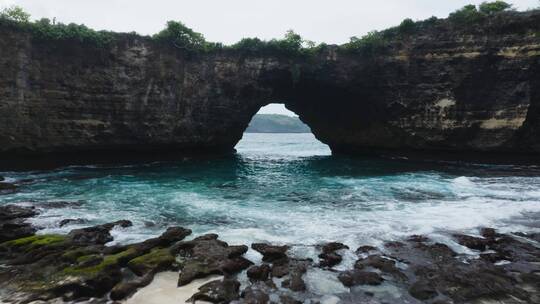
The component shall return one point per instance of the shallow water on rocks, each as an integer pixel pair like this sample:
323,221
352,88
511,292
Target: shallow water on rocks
286,188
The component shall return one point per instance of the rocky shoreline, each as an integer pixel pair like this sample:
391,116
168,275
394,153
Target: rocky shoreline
79,266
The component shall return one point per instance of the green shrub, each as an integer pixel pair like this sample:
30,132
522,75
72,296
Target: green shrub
15,13
44,29
489,8
467,14
250,45
292,45
470,14
181,36
407,26
369,44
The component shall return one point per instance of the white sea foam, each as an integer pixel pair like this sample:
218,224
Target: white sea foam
273,192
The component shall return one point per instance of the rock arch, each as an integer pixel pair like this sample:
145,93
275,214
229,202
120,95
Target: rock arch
440,91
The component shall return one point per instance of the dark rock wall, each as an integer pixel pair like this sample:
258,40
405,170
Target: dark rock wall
441,88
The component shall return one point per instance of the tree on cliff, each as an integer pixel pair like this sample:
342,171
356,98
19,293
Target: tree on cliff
15,13
489,8
185,38
470,13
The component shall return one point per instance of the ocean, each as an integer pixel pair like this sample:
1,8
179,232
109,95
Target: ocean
286,189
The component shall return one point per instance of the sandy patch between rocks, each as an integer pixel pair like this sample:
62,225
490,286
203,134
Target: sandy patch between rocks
164,290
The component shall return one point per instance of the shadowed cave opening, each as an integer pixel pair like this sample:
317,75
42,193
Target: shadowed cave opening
276,130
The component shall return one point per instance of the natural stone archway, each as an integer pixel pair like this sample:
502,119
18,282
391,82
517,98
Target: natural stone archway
439,90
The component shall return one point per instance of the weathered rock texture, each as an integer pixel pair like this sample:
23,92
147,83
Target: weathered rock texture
441,88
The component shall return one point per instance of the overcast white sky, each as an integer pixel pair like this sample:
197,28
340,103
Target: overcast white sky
228,21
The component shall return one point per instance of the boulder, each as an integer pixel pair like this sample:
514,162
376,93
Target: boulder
270,253
329,257
99,234
255,295
259,273
205,256
357,277
77,221
219,291
13,223
472,242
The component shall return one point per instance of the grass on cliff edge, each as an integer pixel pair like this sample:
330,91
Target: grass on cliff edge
292,44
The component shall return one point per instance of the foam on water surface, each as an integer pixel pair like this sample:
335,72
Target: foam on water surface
286,189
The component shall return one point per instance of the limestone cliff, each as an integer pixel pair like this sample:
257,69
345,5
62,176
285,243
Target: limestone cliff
439,89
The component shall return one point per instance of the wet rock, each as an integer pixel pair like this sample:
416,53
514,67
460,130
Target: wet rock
531,236
2,178
434,270
125,289
158,259
89,260
394,244
13,223
235,265
77,221
294,269
15,229
10,212
383,264
422,290
366,249
418,238
60,204
295,281
376,261
219,291
236,251
99,234
72,267
333,247
488,233
421,253
259,273
270,253
7,186
493,257
329,257
206,255
171,235
254,295
516,250
287,299
357,277
469,282
472,242
280,270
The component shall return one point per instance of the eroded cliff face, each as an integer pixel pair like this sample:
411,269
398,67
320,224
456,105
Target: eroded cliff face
439,89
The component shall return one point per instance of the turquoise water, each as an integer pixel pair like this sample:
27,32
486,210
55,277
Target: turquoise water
286,188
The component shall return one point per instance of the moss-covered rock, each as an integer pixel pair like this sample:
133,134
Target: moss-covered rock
36,240
156,260
106,262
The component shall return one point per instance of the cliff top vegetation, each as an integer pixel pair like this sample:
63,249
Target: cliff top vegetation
182,37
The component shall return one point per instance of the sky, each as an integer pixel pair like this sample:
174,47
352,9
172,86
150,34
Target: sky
231,20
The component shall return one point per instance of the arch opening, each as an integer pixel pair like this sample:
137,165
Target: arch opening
276,130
